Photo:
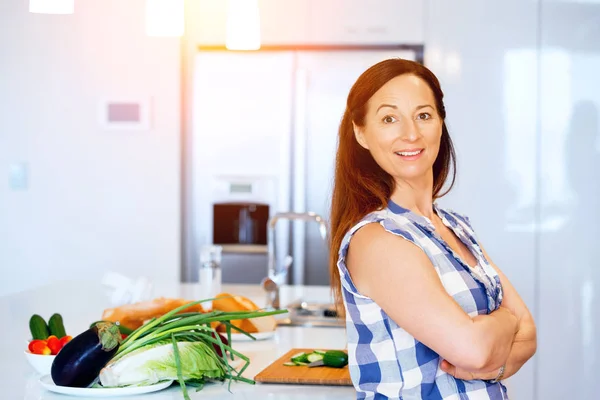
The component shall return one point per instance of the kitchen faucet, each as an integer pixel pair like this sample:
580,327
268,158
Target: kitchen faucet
274,279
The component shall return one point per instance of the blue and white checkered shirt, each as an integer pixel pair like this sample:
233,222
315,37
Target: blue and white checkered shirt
385,361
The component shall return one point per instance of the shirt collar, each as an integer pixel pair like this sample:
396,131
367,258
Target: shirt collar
412,216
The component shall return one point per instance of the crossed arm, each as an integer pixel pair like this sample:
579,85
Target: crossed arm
524,343
472,348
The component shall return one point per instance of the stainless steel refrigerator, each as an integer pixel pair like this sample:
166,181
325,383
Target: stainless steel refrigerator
269,120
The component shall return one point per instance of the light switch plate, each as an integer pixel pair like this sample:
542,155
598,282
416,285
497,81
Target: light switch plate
18,176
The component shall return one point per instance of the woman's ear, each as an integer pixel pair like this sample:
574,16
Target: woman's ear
360,136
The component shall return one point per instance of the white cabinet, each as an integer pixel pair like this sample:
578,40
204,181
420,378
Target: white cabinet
316,22
284,22
370,22
569,211
206,22
489,77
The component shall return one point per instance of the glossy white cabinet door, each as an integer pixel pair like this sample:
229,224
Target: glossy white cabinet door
489,80
206,22
366,22
569,319
315,22
284,22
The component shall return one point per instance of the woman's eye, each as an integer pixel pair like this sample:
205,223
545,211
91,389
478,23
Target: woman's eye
388,119
424,116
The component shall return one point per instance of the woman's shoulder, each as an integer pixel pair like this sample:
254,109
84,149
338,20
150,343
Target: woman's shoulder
395,224
387,219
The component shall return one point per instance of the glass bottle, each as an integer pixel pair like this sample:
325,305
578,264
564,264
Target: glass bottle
209,273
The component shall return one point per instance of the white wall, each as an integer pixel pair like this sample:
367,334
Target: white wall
97,200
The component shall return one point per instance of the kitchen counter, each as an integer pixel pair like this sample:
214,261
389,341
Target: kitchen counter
81,303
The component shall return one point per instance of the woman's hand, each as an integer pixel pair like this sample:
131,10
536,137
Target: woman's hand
465,375
524,343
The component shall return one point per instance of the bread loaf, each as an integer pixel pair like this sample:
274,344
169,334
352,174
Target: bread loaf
134,315
229,302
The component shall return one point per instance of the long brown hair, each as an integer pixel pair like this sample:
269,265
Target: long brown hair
360,185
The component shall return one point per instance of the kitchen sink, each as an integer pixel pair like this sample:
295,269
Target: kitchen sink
302,313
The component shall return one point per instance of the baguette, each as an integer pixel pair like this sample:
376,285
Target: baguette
133,316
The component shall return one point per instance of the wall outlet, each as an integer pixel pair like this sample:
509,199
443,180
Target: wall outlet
18,176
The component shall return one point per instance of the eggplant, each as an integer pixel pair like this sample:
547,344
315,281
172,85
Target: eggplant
79,362
216,346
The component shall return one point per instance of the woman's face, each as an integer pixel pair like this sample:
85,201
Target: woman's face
402,128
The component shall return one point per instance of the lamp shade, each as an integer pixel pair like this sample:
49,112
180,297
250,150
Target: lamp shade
243,25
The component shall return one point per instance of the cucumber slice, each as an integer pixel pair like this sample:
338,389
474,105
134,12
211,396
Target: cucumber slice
312,357
300,357
300,363
321,352
289,364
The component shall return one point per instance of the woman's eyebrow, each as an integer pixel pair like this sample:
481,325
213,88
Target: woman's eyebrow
386,105
423,106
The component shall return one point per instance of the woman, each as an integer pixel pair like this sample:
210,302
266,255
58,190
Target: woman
429,316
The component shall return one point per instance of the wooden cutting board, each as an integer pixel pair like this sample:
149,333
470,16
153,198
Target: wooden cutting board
279,373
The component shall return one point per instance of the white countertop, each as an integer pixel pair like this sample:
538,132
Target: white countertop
81,303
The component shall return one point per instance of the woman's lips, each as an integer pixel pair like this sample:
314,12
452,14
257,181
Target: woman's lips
410,155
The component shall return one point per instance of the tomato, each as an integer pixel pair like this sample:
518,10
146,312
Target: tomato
54,344
39,347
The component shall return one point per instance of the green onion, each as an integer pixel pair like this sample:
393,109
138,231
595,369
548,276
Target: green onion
194,327
228,329
166,324
186,396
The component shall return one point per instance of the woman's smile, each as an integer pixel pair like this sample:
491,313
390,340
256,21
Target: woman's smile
410,154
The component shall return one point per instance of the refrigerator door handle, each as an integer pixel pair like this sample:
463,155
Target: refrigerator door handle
299,174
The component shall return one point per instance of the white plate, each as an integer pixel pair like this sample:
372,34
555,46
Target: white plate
240,337
48,384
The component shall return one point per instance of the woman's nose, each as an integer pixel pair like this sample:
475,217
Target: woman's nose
410,132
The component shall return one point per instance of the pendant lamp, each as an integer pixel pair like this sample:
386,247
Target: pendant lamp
243,25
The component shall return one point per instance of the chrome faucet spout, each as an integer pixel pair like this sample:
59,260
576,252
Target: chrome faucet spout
274,273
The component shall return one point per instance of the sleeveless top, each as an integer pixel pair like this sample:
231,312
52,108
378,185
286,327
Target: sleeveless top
385,361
